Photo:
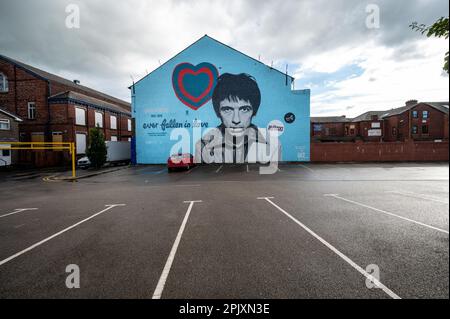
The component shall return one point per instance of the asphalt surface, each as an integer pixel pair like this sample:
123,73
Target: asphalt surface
308,231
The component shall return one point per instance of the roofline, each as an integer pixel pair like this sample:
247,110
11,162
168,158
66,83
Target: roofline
221,43
9,60
413,106
5,58
55,99
15,117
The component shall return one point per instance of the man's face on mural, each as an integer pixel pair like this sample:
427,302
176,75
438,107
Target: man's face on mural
236,115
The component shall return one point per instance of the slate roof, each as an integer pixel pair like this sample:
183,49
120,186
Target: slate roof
83,99
11,115
55,78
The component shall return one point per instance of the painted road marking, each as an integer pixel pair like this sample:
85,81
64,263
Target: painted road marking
247,168
335,250
18,210
108,207
308,168
187,185
336,196
218,170
422,196
190,170
165,273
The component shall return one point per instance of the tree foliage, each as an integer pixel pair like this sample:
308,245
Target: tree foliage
438,29
97,150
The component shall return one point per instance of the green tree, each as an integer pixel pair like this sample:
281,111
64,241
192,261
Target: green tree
96,151
438,29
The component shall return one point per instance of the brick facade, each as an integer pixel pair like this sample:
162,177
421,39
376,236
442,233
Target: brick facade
386,126
55,100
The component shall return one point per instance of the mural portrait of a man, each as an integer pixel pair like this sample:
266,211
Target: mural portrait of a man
236,100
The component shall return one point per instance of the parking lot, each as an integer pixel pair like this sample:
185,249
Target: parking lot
308,231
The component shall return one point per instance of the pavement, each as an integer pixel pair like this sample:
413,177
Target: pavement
308,231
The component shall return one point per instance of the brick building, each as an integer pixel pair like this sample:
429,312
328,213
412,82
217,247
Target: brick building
424,121
59,110
9,132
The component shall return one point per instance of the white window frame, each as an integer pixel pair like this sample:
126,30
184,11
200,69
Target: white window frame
8,125
31,108
98,119
111,121
79,148
3,83
80,119
129,125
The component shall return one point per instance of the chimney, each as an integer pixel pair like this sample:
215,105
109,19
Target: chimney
76,81
411,102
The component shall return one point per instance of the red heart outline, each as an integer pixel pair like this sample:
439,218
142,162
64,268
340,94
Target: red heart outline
189,71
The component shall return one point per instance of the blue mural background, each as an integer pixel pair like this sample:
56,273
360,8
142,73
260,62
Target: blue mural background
154,102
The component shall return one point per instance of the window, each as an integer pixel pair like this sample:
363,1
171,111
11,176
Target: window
424,129
113,121
81,143
317,128
31,110
3,83
414,129
80,116
6,153
376,125
394,131
129,125
98,119
57,137
129,139
5,125
415,114
425,114
37,137
113,138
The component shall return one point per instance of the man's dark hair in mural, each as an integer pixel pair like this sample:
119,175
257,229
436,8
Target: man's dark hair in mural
233,87
236,100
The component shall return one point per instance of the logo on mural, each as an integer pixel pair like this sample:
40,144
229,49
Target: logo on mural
289,118
194,85
236,99
275,127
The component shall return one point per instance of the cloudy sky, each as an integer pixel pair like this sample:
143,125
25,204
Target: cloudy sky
349,67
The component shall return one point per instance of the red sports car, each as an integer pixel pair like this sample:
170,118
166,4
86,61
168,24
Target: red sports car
176,161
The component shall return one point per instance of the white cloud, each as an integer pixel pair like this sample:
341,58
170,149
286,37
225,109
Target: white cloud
123,39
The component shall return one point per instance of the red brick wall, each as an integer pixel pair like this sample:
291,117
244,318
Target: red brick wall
24,88
375,151
328,129
435,122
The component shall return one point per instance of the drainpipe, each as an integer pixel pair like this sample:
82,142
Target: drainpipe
47,127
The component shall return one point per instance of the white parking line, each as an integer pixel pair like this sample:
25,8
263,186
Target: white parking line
218,170
422,196
385,212
336,251
247,169
308,168
165,273
108,207
18,210
190,170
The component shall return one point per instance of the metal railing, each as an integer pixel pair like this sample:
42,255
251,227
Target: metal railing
52,146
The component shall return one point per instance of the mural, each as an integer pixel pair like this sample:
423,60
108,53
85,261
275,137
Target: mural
193,85
230,107
236,100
